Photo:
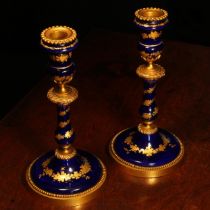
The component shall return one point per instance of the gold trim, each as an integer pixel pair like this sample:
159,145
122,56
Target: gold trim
147,129
61,68
145,171
62,176
62,155
155,54
59,48
148,102
149,115
68,134
150,71
150,26
151,35
150,45
61,57
61,81
150,90
75,199
63,124
58,35
63,113
149,150
151,14
64,98
150,57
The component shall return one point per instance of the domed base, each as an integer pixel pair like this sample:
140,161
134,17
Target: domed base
76,179
146,155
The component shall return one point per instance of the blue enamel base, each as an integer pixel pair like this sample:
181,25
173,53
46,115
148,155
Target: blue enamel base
48,181
121,149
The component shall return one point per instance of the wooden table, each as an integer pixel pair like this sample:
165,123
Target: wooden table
109,96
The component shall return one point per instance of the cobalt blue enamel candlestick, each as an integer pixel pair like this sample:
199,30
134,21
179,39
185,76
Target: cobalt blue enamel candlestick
146,150
66,173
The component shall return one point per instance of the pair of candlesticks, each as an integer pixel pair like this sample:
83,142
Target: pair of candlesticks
144,150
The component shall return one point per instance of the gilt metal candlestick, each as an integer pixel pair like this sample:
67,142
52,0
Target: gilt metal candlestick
146,150
66,173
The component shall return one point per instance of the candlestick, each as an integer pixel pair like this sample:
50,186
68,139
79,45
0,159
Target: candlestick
146,150
66,173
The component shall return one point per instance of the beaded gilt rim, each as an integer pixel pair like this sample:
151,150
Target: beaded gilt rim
58,35
68,196
145,170
151,14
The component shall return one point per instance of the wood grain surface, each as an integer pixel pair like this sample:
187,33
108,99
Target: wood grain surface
110,94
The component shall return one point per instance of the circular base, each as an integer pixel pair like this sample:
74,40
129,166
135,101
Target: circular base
141,157
77,179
